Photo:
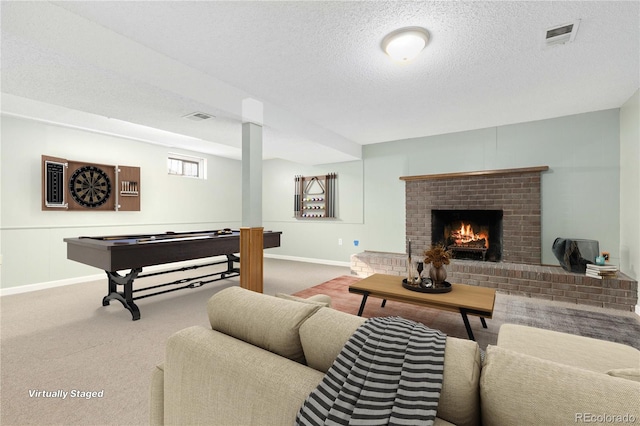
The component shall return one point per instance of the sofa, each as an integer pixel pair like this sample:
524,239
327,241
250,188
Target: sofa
264,354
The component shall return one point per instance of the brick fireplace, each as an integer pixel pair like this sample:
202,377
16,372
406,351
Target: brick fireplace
515,194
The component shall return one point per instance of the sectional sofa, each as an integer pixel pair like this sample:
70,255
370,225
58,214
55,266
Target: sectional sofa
263,355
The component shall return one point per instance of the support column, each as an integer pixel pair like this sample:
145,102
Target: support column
251,174
251,232
251,258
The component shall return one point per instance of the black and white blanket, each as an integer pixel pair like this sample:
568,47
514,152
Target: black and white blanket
388,373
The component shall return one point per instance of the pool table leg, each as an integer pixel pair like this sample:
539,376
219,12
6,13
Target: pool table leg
231,270
126,297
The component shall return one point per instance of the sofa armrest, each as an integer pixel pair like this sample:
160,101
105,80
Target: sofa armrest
156,403
578,351
208,375
521,389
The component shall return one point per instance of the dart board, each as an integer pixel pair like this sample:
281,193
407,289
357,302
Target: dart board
76,185
90,187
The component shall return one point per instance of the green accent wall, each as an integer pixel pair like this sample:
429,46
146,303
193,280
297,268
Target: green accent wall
580,192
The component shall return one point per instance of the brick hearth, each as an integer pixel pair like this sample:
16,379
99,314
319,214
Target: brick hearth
517,193
542,282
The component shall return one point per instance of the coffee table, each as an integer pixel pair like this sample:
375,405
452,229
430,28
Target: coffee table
465,299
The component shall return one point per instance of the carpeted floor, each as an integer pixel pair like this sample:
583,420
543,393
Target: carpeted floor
63,338
585,321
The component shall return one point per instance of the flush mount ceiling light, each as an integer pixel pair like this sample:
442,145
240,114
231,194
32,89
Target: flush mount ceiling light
405,44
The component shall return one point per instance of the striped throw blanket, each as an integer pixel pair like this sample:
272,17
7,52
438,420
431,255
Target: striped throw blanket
388,373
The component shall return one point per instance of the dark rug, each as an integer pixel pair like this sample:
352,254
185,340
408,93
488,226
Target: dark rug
604,324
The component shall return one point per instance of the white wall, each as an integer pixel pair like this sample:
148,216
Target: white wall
32,240
580,193
630,188
1,180
313,238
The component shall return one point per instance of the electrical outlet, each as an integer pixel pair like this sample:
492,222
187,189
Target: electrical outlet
339,241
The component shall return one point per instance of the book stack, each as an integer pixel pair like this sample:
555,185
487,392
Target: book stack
602,271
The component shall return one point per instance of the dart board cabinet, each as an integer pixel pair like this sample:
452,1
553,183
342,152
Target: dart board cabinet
77,185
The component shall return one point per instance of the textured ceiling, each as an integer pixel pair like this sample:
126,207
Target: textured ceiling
326,86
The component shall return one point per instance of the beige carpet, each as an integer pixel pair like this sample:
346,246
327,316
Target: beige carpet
621,327
64,339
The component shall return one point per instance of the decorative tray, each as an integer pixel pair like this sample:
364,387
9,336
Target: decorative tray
427,287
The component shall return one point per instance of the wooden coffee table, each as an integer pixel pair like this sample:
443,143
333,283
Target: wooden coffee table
466,299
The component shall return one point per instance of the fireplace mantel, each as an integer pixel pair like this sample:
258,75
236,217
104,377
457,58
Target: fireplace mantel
476,173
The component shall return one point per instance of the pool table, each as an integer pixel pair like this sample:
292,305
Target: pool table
133,252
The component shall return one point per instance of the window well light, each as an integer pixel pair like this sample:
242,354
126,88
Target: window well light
405,44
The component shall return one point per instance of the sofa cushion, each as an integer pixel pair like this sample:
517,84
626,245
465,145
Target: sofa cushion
578,351
460,396
521,389
626,373
264,321
325,333
214,379
320,299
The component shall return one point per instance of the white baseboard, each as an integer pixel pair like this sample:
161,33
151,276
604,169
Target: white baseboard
88,278
308,260
49,284
638,310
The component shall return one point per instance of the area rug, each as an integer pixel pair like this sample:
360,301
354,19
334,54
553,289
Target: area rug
611,325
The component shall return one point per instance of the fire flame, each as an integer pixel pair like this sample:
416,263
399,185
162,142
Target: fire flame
465,235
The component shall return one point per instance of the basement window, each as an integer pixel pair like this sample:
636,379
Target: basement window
184,165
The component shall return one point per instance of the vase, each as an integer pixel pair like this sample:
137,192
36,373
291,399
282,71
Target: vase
412,273
420,268
437,275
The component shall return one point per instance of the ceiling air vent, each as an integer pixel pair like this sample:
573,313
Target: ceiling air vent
198,116
561,34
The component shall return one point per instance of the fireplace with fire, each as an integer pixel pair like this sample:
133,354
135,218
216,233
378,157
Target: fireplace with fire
469,234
